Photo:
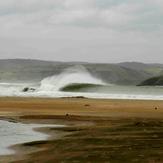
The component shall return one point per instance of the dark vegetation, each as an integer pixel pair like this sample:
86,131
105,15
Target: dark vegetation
155,81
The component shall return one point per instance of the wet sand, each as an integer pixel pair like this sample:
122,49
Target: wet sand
104,128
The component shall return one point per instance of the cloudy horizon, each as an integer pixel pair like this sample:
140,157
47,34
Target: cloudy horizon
82,30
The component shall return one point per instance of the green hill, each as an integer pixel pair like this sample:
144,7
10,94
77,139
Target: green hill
128,73
155,81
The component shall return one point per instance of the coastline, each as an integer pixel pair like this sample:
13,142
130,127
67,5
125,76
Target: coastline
76,113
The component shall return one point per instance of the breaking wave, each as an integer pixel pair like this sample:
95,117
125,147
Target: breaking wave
77,81
78,87
73,78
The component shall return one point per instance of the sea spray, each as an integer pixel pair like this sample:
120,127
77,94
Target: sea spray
13,89
78,81
73,75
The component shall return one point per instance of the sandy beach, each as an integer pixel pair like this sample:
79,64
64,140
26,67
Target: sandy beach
104,128
79,106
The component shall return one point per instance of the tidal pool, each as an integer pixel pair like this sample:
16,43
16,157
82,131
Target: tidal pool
18,133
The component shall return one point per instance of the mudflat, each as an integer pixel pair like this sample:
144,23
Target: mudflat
97,130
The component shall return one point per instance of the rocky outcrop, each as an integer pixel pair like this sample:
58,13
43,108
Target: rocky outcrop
27,89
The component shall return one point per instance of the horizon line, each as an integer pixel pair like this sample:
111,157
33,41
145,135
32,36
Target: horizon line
84,62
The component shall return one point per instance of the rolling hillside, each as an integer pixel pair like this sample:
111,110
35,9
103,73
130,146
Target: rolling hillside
20,70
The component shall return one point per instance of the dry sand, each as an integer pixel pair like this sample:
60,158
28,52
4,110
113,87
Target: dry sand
81,114
81,107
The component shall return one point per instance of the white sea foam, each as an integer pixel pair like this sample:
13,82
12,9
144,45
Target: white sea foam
75,74
99,95
17,133
110,92
50,87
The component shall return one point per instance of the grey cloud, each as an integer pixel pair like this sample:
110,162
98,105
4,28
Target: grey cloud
110,14
87,30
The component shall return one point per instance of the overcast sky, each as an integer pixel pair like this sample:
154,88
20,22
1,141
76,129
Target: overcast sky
82,30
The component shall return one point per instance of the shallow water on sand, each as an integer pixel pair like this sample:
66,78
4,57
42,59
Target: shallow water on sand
17,133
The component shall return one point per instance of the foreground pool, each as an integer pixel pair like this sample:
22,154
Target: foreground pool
17,133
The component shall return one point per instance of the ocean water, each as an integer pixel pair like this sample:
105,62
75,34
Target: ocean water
17,133
102,92
77,81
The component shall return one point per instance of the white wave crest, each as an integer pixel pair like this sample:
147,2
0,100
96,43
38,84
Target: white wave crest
75,74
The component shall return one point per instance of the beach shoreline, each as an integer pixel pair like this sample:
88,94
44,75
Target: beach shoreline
77,114
20,106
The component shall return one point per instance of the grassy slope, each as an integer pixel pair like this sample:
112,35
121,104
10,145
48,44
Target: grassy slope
153,69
